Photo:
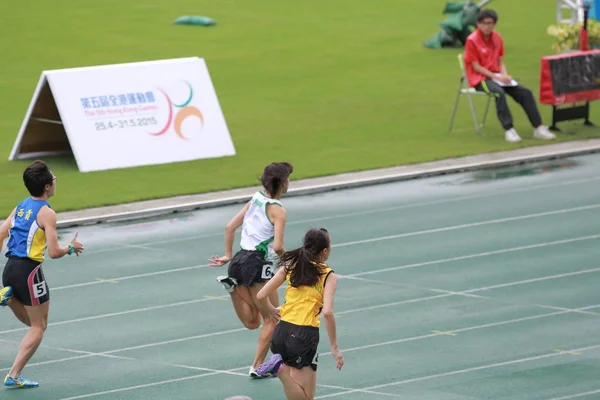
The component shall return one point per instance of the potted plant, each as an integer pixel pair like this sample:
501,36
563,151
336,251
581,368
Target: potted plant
566,37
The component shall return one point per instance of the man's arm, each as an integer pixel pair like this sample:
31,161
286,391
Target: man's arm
501,76
471,56
483,71
503,70
504,77
5,227
47,219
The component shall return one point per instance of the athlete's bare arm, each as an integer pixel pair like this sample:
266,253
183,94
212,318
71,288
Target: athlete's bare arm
230,228
5,227
267,290
47,221
277,215
329,318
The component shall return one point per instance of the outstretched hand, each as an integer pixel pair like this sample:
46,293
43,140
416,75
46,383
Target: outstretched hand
339,359
76,245
216,261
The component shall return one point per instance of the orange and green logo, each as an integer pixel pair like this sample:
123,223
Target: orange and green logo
178,113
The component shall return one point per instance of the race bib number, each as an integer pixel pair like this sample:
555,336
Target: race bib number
267,272
39,289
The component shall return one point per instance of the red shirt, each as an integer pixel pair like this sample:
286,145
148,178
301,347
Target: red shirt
486,52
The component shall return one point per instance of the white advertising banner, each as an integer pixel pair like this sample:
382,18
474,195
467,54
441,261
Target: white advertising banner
126,115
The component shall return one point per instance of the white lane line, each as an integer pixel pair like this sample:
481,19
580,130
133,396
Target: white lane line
368,389
466,294
460,371
470,328
369,273
478,255
573,396
168,271
471,225
376,211
70,321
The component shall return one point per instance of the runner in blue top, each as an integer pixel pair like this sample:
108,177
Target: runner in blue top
31,229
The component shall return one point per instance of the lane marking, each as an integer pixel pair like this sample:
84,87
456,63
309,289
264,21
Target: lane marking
460,371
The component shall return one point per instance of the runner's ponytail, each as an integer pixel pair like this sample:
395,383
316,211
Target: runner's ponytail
303,263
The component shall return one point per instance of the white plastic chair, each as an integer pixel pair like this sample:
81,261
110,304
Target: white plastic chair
464,89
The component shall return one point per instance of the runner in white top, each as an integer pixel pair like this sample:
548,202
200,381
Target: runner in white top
258,232
263,222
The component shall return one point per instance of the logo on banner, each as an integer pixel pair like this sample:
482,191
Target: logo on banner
134,110
183,111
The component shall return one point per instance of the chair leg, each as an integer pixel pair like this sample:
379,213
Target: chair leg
487,107
474,114
454,111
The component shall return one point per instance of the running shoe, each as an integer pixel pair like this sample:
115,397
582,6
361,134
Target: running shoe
5,295
19,382
254,375
271,366
228,283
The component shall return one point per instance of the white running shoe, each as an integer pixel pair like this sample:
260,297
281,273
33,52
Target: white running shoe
228,283
542,132
511,135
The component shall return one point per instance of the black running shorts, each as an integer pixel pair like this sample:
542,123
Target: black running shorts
296,344
248,267
26,278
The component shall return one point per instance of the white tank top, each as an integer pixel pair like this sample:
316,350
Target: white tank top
258,231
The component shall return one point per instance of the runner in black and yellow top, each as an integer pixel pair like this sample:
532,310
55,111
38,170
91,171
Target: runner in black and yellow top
310,290
31,229
263,221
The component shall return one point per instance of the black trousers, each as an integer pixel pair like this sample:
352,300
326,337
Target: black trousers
520,94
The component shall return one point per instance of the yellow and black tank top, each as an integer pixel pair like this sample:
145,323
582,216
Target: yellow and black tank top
303,304
26,238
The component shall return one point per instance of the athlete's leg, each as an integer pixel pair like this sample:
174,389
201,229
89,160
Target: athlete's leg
38,317
245,307
266,333
298,384
19,310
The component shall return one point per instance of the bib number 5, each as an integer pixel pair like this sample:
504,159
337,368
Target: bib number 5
39,289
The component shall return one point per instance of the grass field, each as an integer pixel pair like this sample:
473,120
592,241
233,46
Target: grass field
330,86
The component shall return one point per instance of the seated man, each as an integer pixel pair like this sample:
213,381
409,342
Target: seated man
486,71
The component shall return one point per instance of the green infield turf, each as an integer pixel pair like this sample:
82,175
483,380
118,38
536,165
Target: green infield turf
331,86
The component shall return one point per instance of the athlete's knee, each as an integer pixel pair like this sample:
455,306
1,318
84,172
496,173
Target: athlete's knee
252,323
40,326
39,323
36,333
269,323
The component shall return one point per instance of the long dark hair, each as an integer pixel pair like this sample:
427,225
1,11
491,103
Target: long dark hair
275,175
302,263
